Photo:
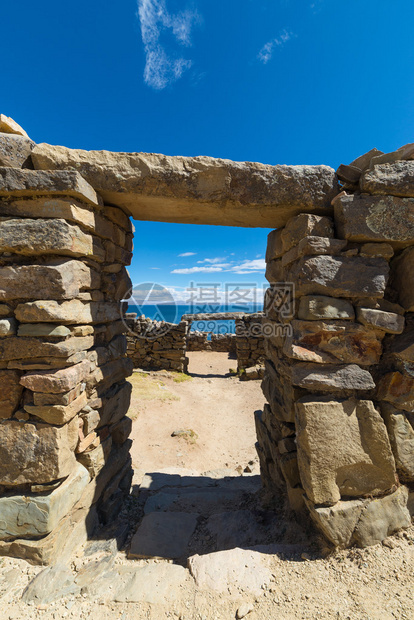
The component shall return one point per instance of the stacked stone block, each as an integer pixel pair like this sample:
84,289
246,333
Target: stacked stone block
337,432
249,341
155,345
222,343
64,447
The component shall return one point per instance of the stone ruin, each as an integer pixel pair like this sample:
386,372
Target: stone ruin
337,433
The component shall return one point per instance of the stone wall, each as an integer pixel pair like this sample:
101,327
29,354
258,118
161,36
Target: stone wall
155,345
223,343
64,447
337,432
249,341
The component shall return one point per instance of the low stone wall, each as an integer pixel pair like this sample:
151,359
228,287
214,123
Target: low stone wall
198,341
154,345
337,432
249,341
64,445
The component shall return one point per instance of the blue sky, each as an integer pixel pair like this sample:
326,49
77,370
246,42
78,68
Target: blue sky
275,81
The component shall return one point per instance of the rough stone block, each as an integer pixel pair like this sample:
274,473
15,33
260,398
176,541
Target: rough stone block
116,405
312,246
15,182
15,151
343,449
375,218
121,430
336,341
377,250
280,394
388,322
403,279
95,460
8,327
34,515
41,236
398,390
331,377
396,179
317,307
65,398
10,392
69,312
60,279
401,435
338,522
36,452
8,125
339,276
382,517
14,347
58,414
56,382
304,225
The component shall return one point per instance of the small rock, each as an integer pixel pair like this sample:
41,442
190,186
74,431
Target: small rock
243,610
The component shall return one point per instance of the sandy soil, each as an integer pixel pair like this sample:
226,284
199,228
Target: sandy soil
212,403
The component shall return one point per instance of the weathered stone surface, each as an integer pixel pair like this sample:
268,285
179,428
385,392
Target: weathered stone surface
61,208
163,535
317,307
274,271
338,522
339,276
60,279
8,327
36,330
373,250
280,394
382,517
194,190
236,568
343,449
363,161
36,452
110,373
50,585
10,392
116,405
73,311
42,236
397,389
388,322
5,310
312,246
331,377
401,435
15,151
65,398
396,179
405,152
296,230
8,125
403,279
58,414
349,174
95,460
336,341
16,182
58,381
26,516
375,218
14,347
121,431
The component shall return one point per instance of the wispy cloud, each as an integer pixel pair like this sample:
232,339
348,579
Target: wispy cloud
164,66
212,261
210,265
198,270
187,254
268,48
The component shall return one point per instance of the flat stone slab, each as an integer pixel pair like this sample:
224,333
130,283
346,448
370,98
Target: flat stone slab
174,477
203,501
195,189
242,528
50,585
163,535
234,569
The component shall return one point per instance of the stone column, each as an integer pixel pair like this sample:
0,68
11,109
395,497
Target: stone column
337,432
64,447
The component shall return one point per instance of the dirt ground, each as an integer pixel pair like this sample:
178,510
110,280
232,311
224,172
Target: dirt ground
307,582
213,404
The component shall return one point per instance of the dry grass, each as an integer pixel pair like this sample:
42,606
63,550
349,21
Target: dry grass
147,388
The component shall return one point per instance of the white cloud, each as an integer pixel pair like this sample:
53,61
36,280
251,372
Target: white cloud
212,261
209,265
163,67
198,270
155,267
258,264
268,48
188,254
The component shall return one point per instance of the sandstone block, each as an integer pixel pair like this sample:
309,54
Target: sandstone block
41,236
58,414
95,460
110,373
396,179
10,392
405,152
375,218
401,347
116,405
378,250
348,174
274,271
312,246
363,162
15,151
343,449
382,517
401,435
56,382
39,330
336,341
36,452
60,279
73,311
14,347
339,276
193,190
296,229
388,322
8,125
8,327
15,182
331,377
65,398
90,421
338,522
34,515
403,279
279,393
316,307
398,390
121,430
118,217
